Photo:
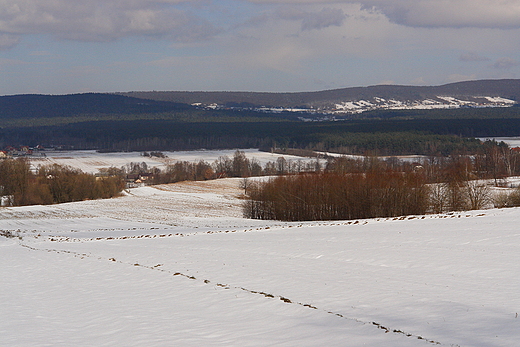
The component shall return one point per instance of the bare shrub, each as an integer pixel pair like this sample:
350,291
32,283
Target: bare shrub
439,195
501,199
478,194
514,197
507,198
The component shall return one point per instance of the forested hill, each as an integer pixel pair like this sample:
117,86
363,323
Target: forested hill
133,122
506,88
48,106
135,103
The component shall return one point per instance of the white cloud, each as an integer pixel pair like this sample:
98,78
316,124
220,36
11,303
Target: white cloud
452,13
266,45
310,19
323,19
106,20
101,20
436,13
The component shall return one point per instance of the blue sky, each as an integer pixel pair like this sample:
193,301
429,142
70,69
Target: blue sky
72,46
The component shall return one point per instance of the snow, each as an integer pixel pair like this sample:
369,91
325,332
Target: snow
91,161
347,106
498,100
442,102
511,141
178,265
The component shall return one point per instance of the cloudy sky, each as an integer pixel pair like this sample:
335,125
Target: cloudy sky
70,46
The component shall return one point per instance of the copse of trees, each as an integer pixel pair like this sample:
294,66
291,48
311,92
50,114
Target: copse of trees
330,196
372,187
378,193
186,171
49,184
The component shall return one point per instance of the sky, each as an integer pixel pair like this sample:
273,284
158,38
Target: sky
74,46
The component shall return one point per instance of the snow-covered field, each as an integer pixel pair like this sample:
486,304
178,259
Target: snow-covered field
91,161
511,141
177,265
438,102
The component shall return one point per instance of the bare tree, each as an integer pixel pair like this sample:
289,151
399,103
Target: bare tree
478,194
439,197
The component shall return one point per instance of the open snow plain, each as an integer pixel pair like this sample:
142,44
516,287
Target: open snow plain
177,265
91,161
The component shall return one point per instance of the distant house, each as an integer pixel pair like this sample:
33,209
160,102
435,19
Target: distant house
136,180
147,176
21,152
3,155
132,177
10,150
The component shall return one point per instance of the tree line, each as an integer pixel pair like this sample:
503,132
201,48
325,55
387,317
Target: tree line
492,160
387,137
383,186
19,185
239,165
371,187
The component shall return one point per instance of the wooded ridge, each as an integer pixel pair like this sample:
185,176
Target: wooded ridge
127,123
506,88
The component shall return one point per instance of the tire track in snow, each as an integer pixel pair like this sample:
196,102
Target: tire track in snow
284,299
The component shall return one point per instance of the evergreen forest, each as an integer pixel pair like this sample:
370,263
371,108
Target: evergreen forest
120,123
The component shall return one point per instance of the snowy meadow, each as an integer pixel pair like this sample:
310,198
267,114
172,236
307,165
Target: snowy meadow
91,161
178,265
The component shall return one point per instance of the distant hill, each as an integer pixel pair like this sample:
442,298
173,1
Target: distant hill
387,119
482,93
47,106
505,88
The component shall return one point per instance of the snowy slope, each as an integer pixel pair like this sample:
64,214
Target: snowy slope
438,102
177,265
